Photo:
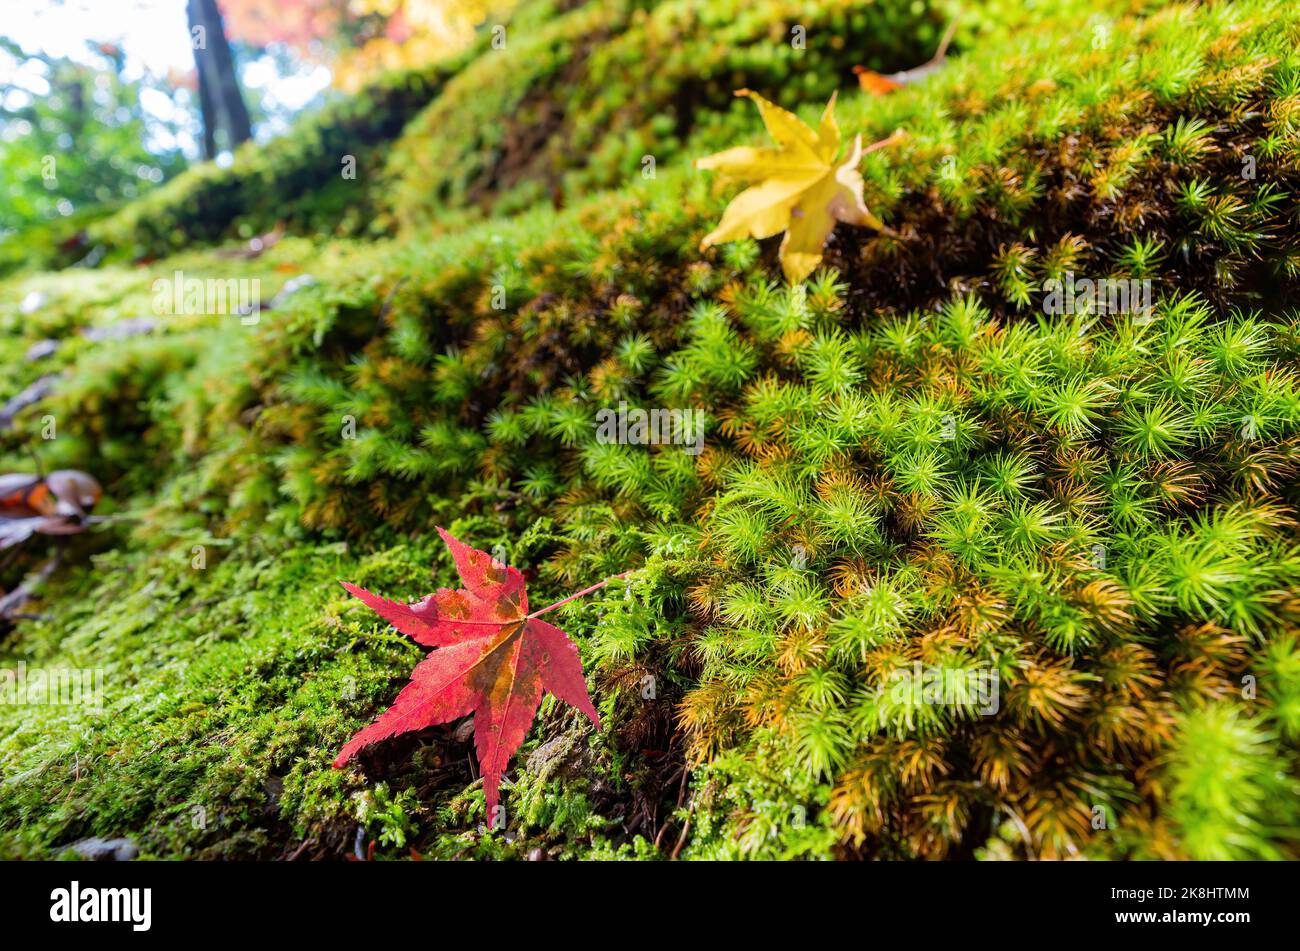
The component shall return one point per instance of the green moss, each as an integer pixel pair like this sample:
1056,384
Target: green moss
578,105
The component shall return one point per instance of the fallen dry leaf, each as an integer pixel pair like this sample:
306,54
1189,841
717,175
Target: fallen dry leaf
798,187
493,659
874,83
879,84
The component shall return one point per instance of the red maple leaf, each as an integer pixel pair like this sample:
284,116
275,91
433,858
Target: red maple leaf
493,659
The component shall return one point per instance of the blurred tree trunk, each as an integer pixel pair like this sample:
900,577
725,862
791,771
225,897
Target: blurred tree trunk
207,108
73,81
220,101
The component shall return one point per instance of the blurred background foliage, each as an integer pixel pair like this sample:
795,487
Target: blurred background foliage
88,123
102,145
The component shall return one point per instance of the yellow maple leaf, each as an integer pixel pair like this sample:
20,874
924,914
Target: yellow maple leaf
799,188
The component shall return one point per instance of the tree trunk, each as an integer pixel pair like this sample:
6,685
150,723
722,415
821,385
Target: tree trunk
207,107
220,100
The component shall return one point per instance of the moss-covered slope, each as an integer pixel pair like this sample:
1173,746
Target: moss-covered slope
584,102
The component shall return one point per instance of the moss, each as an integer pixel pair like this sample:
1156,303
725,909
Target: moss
575,107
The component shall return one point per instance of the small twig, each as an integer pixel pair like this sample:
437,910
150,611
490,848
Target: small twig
15,599
388,303
686,826
947,38
31,395
931,65
659,839
681,840
108,519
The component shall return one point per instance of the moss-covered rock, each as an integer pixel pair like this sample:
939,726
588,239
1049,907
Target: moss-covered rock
607,92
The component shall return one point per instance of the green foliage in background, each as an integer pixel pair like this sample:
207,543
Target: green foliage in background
70,154
85,143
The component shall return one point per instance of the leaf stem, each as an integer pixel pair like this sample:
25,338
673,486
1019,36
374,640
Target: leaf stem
585,591
893,138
